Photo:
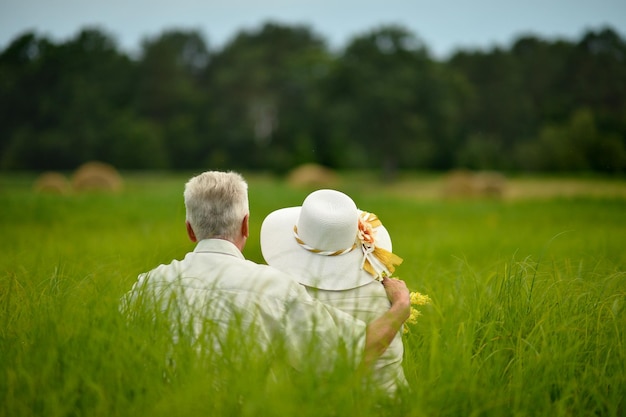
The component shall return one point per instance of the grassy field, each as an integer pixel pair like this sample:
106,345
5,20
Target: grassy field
527,318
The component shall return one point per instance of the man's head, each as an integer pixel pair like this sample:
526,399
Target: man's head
217,206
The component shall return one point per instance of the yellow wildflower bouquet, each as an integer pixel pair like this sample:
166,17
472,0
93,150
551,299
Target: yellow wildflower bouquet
417,299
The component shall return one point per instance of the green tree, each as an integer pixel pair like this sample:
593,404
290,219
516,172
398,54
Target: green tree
21,81
95,89
527,102
543,66
264,94
275,97
170,94
596,78
480,152
58,97
135,143
575,145
501,107
389,104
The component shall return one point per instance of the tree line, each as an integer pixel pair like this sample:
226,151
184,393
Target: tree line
276,97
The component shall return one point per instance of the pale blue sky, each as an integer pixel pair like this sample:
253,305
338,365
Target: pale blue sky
443,25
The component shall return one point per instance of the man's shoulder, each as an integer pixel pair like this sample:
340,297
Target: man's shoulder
269,276
165,271
225,273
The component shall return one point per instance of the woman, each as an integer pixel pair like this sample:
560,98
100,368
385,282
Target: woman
340,254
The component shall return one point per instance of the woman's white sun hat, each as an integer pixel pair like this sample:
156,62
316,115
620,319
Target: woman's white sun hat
328,243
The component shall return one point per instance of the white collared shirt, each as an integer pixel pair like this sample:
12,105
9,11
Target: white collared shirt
216,285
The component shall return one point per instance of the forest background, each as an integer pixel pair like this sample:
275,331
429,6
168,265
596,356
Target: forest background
277,97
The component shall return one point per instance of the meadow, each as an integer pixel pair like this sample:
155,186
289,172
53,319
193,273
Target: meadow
527,317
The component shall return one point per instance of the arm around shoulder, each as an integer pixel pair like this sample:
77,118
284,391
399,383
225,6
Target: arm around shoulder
381,331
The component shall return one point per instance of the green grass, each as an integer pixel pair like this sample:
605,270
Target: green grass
527,317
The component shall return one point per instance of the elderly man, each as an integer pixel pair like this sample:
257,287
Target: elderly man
215,289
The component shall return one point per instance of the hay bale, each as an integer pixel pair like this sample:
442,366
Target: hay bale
489,184
97,176
51,183
458,184
312,175
468,184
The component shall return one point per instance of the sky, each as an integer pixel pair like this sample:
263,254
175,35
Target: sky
443,25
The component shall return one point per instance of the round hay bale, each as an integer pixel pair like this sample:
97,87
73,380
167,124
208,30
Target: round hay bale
312,175
458,184
489,184
466,184
97,176
51,183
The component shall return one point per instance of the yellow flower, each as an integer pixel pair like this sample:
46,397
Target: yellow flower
412,319
415,313
419,299
416,299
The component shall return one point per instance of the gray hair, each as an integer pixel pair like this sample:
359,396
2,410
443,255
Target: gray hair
216,203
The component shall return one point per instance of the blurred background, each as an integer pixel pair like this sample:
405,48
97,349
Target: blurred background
418,86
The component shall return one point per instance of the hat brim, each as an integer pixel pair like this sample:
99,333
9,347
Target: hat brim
281,250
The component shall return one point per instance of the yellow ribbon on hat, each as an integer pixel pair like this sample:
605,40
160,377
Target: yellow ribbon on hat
377,261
